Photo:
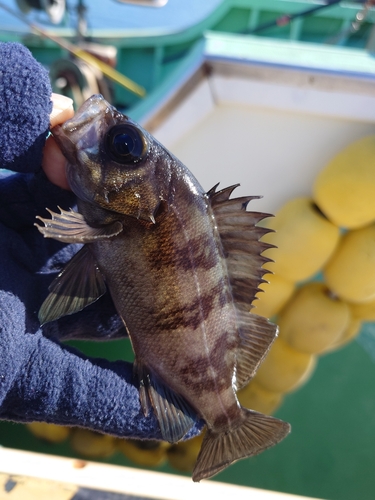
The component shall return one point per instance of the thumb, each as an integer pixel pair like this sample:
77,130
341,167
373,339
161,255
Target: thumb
53,160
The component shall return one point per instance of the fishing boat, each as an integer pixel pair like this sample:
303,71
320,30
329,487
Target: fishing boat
153,57
264,93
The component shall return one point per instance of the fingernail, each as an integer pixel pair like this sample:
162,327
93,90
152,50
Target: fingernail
61,102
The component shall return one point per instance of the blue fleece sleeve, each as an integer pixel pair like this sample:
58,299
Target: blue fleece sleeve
25,106
40,379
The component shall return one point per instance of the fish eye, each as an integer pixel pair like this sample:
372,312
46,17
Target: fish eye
126,144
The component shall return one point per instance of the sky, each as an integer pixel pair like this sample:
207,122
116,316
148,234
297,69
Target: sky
175,15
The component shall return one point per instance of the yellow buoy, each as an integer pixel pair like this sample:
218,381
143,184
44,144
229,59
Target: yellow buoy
258,398
144,452
344,189
364,311
284,369
350,273
313,319
92,444
49,432
182,456
351,332
304,238
275,294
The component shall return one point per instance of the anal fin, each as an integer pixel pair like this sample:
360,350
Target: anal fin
174,414
79,284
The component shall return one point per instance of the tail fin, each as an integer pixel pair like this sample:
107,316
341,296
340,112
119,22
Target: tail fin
256,433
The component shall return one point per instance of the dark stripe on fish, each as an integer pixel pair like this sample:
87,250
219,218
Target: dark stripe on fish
222,421
197,372
191,315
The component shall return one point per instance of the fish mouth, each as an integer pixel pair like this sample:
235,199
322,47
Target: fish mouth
85,129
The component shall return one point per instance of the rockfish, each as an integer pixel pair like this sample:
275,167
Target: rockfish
182,267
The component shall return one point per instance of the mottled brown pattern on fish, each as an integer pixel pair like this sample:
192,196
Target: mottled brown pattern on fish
182,267
170,285
231,415
214,379
191,315
201,247
188,302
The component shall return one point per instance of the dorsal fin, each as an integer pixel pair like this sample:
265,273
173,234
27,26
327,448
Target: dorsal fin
256,337
240,238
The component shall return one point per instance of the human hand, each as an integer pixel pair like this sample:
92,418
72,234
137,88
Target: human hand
40,379
53,159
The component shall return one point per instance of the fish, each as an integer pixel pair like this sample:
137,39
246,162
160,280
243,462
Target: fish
182,266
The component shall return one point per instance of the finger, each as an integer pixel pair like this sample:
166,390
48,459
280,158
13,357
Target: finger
53,160
62,109
54,164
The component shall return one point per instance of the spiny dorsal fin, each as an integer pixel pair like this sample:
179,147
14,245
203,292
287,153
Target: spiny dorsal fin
240,238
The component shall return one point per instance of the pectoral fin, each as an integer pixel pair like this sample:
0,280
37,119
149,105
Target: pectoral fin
71,227
174,414
79,284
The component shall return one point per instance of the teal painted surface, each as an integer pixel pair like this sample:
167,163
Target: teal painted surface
306,56
330,452
173,80
148,56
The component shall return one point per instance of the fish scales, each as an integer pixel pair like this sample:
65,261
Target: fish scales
182,267
183,292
